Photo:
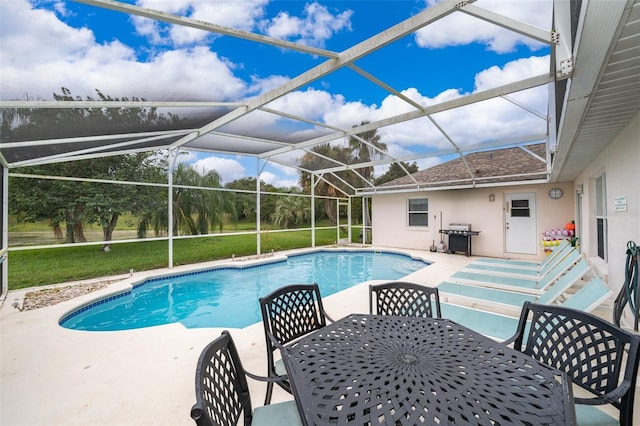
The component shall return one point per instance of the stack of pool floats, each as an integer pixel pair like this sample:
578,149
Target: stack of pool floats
552,237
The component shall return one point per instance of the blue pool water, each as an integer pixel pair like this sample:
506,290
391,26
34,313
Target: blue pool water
228,296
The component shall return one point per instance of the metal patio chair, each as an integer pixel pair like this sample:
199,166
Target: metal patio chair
222,393
404,299
287,314
595,354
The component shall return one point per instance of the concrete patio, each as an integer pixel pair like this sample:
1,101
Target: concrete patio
54,376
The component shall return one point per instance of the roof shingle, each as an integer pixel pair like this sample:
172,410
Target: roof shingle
500,165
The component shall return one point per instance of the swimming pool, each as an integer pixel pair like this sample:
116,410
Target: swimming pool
228,296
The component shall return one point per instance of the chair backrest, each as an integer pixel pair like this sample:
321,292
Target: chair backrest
595,354
404,299
589,297
559,269
563,283
222,394
290,312
558,253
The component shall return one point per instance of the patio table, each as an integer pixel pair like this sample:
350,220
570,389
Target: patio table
374,370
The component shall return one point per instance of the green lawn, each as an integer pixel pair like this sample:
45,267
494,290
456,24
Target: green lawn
28,268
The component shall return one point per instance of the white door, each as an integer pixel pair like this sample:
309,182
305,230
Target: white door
520,223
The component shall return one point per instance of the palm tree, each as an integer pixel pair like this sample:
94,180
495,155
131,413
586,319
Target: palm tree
370,149
290,211
328,185
357,152
212,206
196,207
196,210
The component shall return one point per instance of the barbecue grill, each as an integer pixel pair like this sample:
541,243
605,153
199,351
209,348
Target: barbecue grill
459,235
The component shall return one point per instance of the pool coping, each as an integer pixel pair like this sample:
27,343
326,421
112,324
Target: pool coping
124,288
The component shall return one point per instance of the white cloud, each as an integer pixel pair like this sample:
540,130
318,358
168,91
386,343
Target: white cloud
512,71
261,85
312,104
475,123
33,35
70,57
347,114
228,169
498,39
284,170
187,157
314,28
240,14
278,181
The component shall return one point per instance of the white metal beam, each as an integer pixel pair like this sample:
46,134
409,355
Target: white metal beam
63,141
99,149
563,50
346,57
301,119
116,104
519,27
205,26
453,184
386,86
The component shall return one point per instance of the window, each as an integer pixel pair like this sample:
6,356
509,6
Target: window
418,212
601,216
520,208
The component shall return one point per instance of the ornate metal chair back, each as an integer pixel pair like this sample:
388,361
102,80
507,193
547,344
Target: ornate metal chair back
288,313
404,299
222,394
595,354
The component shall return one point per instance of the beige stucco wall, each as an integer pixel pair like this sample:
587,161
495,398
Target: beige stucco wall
620,162
390,228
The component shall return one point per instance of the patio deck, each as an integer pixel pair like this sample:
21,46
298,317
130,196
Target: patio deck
54,376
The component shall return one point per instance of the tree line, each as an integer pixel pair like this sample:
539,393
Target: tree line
72,204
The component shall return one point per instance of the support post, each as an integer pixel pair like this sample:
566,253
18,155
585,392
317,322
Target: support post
258,221
313,211
173,157
4,269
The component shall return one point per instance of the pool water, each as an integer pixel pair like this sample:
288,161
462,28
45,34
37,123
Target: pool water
228,296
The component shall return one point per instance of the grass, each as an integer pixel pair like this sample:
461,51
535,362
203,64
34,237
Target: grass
29,268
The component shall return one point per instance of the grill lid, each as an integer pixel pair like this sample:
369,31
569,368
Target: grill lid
460,227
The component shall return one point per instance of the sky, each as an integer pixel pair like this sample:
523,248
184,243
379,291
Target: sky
48,44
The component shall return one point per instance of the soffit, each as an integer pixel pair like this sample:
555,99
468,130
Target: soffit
603,95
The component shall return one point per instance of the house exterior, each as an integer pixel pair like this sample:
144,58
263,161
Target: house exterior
603,200
613,178
511,208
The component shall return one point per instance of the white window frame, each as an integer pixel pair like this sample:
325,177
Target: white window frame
602,242
411,212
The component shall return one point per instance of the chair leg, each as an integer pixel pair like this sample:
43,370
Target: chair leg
267,399
626,411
